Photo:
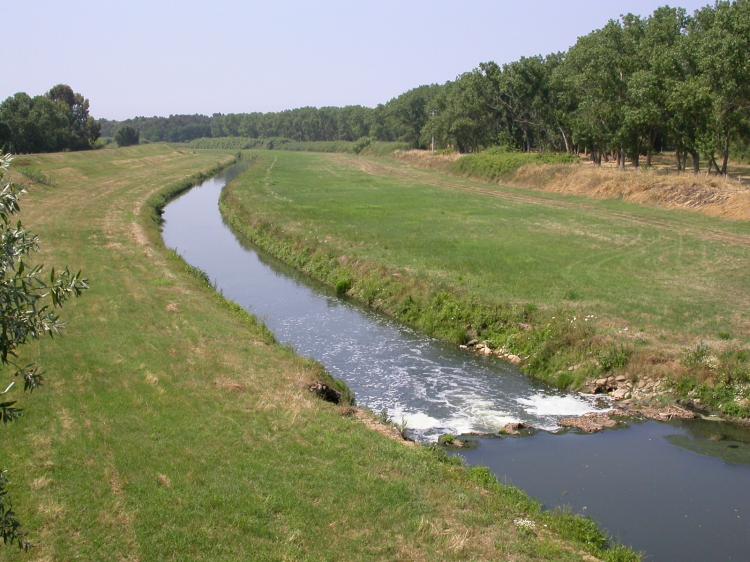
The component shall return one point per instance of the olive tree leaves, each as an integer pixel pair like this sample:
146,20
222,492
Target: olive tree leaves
29,301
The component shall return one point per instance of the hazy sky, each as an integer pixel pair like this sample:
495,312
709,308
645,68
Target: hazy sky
159,57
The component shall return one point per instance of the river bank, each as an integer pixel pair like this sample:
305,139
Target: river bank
567,343
428,388
171,424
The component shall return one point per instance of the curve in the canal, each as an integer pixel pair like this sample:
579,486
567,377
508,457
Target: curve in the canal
677,492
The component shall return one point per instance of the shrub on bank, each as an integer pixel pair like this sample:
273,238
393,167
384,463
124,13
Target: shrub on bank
496,163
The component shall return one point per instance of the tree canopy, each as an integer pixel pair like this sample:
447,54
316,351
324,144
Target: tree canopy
57,120
127,136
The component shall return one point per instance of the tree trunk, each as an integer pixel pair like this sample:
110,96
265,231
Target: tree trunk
678,155
696,161
713,165
684,160
565,140
621,158
725,157
637,155
651,146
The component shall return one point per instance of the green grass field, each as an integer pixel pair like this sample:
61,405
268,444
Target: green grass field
657,281
173,428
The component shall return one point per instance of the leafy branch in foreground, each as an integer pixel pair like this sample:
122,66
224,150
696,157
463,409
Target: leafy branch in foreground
28,310
10,526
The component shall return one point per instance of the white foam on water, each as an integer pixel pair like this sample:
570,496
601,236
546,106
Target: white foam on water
459,425
483,416
470,414
555,405
480,422
418,421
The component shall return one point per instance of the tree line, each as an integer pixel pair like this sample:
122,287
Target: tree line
57,120
638,85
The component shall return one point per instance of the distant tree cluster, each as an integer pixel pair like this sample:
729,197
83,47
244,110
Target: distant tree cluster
401,119
57,120
127,136
636,86
175,128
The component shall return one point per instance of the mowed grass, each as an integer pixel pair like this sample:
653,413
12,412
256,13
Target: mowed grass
171,427
671,277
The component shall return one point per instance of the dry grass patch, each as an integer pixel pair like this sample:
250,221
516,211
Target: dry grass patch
710,195
230,384
164,480
40,483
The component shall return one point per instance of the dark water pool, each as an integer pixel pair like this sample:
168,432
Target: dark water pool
677,492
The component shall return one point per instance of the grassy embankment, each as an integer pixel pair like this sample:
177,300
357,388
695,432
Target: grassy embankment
581,287
361,146
657,186
172,427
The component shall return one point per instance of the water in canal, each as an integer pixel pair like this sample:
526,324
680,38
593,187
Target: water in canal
676,492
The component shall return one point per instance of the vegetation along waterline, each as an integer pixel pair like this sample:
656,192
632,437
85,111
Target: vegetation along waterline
164,425
430,389
541,238
546,280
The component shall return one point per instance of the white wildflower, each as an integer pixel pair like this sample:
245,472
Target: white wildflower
524,523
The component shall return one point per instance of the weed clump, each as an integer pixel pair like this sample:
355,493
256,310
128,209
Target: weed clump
616,357
717,381
36,175
343,285
498,163
697,357
446,439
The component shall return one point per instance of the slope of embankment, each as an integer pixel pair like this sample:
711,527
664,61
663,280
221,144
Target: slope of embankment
173,427
649,302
